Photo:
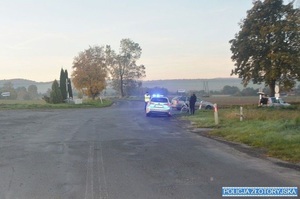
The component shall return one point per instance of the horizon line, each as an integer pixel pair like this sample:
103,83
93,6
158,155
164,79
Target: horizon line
141,80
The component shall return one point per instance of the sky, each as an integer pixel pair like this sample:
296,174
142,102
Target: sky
180,39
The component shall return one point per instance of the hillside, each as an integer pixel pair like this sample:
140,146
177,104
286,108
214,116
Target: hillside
42,86
215,84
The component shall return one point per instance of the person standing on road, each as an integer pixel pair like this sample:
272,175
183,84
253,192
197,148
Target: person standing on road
147,99
193,100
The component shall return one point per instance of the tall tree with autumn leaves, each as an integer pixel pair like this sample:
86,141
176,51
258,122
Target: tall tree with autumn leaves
267,48
94,66
90,71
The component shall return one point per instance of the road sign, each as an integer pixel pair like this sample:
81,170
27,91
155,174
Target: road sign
5,94
276,89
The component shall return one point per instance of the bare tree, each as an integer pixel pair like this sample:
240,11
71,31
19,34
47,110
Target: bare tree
123,67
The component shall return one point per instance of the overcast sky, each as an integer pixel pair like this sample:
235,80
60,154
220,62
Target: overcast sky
180,39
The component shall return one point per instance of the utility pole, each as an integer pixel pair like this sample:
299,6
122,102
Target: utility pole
206,89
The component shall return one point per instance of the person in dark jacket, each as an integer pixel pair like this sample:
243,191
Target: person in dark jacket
193,100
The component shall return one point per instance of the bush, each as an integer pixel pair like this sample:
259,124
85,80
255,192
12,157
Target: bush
55,95
46,98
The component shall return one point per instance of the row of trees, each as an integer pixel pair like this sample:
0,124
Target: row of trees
226,90
60,91
21,93
265,50
98,65
235,91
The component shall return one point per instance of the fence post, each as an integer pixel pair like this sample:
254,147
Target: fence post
200,106
241,113
216,114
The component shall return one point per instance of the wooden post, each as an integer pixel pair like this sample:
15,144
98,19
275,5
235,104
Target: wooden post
200,106
241,113
216,114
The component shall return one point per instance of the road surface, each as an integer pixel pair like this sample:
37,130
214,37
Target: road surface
118,153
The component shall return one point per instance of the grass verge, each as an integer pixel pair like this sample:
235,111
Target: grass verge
40,104
276,131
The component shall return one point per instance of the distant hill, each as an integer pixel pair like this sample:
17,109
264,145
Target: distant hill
42,86
215,84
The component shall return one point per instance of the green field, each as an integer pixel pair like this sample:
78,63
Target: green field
276,131
41,104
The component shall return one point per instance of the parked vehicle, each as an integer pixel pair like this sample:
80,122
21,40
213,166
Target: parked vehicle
158,106
273,101
179,101
185,108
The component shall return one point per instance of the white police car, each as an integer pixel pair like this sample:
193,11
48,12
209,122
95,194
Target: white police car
158,105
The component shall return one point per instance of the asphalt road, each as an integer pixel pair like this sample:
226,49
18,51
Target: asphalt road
118,153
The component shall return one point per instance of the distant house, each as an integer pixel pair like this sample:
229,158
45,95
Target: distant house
181,92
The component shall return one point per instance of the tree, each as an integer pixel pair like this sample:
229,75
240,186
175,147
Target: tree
249,92
33,91
90,71
230,90
69,85
267,48
123,67
55,94
63,84
22,93
9,87
46,97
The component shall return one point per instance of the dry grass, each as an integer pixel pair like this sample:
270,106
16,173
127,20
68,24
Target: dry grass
276,130
41,104
22,102
244,100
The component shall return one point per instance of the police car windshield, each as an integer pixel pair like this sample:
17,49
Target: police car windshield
159,99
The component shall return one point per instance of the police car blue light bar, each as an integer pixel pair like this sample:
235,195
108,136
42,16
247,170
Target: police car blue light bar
157,95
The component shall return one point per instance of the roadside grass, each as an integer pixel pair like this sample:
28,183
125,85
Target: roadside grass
275,130
40,104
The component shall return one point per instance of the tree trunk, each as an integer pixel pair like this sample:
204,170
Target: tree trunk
121,88
272,88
